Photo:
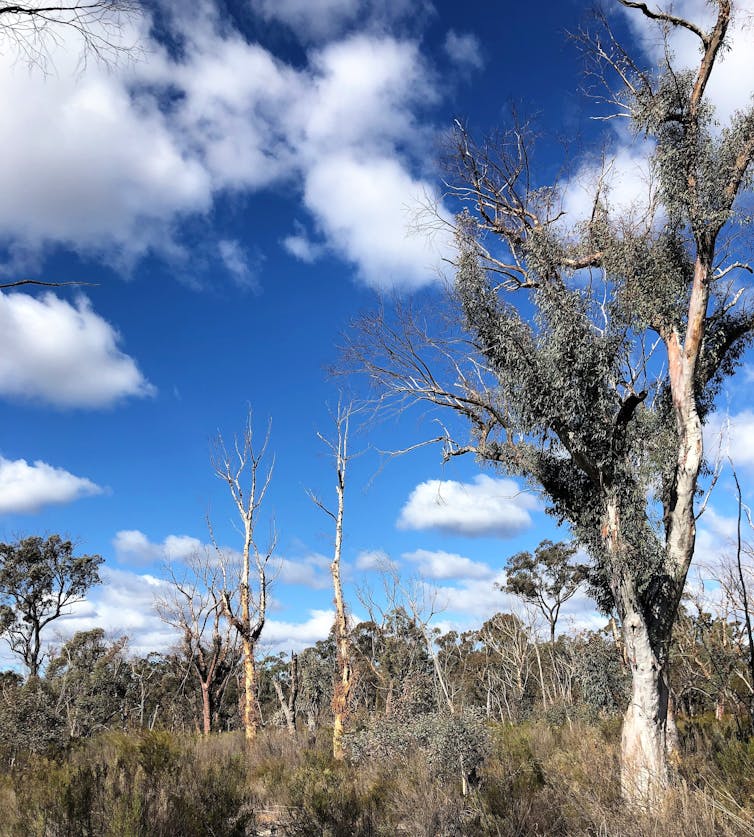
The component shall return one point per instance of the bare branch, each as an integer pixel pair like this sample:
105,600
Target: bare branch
18,283
100,26
670,19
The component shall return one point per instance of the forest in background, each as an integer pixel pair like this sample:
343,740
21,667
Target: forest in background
594,385
498,730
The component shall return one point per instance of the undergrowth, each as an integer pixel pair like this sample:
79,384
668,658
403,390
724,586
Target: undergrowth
537,779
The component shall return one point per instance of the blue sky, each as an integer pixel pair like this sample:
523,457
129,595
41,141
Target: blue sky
236,196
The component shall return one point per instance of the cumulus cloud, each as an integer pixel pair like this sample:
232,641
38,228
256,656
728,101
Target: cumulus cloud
485,506
468,602
298,635
139,147
443,565
359,188
314,21
123,605
27,488
111,163
311,571
133,546
309,20
364,208
63,354
301,246
464,49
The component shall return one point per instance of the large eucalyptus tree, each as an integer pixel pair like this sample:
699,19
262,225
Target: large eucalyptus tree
586,358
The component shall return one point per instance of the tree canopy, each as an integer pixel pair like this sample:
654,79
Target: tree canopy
585,355
39,579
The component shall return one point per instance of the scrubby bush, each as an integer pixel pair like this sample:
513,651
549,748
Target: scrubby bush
123,786
533,778
451,745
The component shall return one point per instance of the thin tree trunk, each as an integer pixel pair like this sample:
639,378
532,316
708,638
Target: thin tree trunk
288,705
745,602
343,683
250,718
541,675
206,708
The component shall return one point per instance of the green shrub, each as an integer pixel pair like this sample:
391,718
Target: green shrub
131,785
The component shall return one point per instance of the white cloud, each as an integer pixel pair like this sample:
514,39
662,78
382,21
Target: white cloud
133,546
357,185
323,19
122,604
311,571
719,525
26,488
373,559
469,602
464,49
365,209
443,565
63,354
625,182
309,20
140,146
475,597
111,164
181,546
239,263
298,635
301,246
486,506
731,436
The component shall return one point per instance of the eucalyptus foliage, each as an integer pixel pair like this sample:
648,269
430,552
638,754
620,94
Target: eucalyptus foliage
585,356
39,579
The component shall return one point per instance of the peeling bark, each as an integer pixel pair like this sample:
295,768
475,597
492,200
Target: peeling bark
644,767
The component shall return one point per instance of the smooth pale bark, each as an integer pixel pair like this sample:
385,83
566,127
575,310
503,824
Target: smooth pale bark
343,680
342,688
249,619
644,767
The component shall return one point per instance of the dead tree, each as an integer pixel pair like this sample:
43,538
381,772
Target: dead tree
248,477
339,450
194,607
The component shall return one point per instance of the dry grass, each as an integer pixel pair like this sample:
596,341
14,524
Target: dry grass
539,779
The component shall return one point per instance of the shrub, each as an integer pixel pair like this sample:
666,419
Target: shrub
128,786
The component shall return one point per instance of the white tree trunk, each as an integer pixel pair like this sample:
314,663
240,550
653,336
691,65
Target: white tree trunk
644,763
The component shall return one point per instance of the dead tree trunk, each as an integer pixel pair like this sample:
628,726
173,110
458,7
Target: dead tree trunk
343,682
248,484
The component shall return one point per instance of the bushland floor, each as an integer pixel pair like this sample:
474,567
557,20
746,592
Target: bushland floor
537,779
